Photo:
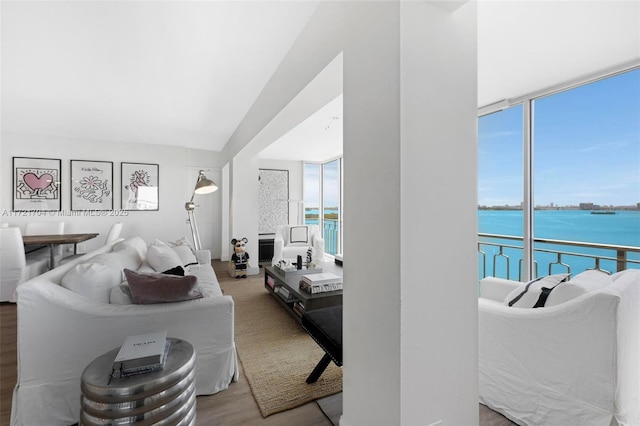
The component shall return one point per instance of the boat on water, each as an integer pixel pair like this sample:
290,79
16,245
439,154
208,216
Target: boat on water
603,212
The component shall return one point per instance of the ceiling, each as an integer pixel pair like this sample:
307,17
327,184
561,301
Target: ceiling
186,73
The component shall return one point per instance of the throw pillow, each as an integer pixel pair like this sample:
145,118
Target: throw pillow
92,280
178,270
299,234
162,257
535,292
160,288
185,254
582,283
181,242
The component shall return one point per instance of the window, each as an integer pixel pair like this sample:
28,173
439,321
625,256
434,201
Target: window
500,180
322,201
579,180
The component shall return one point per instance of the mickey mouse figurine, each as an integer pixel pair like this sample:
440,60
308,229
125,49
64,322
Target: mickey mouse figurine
239,259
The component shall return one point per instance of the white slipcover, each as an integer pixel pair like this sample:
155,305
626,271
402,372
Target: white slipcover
284,249
576,363
15,268
61,332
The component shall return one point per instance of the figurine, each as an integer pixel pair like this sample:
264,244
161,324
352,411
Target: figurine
240,258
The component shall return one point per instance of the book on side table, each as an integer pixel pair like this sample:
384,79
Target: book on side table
320,283
141,353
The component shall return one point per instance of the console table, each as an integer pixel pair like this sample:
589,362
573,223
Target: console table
167,396
300,301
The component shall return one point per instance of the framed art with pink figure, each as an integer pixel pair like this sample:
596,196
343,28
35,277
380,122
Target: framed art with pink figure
139,186
36,184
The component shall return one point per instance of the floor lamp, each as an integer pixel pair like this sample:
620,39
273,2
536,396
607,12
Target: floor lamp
203,186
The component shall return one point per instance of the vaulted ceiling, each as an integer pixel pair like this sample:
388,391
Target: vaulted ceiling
185,73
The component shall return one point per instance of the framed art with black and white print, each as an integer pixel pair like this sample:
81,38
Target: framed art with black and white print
36,184
91,185
139,186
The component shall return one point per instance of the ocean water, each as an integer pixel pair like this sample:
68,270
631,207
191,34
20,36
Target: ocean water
622,228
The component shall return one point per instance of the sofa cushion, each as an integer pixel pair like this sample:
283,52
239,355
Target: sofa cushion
161,288
535,292
92,280
161,257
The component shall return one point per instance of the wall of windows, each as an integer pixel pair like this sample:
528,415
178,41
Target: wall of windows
574,176
323,201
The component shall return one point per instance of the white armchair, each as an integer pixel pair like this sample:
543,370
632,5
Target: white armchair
293,240
14,266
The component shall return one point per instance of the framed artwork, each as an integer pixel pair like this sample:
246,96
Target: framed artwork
91,185
139,186
36,184
273,196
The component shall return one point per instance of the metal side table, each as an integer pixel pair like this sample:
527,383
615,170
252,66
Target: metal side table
165,397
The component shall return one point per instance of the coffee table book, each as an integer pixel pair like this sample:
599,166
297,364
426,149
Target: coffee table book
141,353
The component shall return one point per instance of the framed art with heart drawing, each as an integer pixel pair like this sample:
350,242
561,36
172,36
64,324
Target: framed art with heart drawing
36,184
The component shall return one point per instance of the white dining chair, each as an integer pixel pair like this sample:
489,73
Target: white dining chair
114,234
14,266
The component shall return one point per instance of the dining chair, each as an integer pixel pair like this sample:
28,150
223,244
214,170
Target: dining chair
15,268
114,234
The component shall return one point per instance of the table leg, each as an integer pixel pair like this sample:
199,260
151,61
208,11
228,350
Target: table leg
320,367
52,259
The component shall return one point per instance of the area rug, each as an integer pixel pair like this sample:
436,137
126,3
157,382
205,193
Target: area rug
276,354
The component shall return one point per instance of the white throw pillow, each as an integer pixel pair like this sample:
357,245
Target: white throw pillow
161,257
577,286
185,254
592,280
299,235
181,242
528,297
92,280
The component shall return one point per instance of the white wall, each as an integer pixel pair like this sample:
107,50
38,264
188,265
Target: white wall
178,169
403,338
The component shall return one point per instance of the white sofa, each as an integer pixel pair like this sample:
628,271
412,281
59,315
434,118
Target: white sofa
291,241
576,362
60,331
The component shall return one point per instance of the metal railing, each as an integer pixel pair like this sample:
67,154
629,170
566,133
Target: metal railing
331,230
555,253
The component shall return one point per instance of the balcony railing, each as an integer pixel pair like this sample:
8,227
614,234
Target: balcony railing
568,256
331,230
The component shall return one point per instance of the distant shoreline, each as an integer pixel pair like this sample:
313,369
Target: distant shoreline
555,208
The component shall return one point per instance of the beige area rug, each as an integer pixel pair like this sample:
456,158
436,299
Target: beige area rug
277,355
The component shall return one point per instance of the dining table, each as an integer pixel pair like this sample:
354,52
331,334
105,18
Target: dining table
54,240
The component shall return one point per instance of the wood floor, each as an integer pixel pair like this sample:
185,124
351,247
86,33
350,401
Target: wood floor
234,406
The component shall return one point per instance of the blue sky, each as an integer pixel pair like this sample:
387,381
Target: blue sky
331,187
586,147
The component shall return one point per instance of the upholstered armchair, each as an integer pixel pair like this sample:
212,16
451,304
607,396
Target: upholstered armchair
293,240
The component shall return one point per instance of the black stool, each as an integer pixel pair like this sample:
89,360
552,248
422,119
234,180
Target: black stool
325,327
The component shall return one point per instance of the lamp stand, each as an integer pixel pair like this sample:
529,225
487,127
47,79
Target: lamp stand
190,207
